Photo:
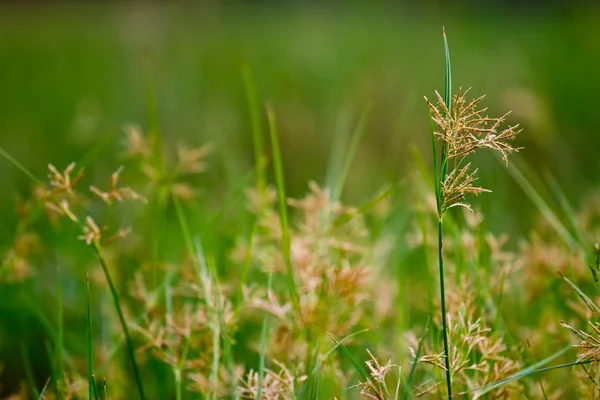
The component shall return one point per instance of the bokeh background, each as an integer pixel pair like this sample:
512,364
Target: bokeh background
71,75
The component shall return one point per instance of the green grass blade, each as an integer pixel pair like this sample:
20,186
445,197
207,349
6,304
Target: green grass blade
441,177
421,164
398,383
311,388
281,199
542,206
352,149
352,359
413,368
95,387
567,208
366,207
263,349
447,74
43,392
481,391
129,342
28,370
245,268
447,99
105,388
256,123
340,342
99,148
19,166
437,174
50,354
154,127
60,364
89,337
589,302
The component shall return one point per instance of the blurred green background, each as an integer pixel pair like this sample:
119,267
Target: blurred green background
71,75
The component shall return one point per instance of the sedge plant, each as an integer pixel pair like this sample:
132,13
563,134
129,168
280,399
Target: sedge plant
458,129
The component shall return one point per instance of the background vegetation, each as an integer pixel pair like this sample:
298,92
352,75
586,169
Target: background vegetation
71,78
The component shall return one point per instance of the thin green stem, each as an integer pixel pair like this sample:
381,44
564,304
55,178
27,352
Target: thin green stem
283,217
90,344
177,372
443,301
130,349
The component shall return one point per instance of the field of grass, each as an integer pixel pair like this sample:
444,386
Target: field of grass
244,201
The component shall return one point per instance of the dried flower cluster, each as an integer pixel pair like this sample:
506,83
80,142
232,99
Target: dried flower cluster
275,385
190,161
463,129
330,261
478,356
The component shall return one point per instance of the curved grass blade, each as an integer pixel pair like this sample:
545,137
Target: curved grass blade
479,392
281,199
413,368
256,123
20,166
43,392
115,296
263,348
60,378
28,369
542,206
95,387
588,302
352,149
89,337
352,359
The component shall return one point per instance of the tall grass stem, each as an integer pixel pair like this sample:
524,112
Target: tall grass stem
130,348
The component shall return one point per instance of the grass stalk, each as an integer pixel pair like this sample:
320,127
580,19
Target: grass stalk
439,177
115,296
283,216
28,369
60,368
43,392
443,303
89,337
256,123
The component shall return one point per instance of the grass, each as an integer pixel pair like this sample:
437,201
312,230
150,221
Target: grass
234,271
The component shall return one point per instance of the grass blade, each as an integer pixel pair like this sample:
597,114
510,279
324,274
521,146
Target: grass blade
352,359
89,337
440,178
115,296
154,127
542,206
588,302
413,368
479,392
95,387
19,166
60,381
43,392
281,198
447,73
352,149
263,348
28,369
256,123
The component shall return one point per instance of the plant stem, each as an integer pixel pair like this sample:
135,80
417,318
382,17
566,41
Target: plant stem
443,301
115,296
177,372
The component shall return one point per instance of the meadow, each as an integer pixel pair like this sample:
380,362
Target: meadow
257,201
